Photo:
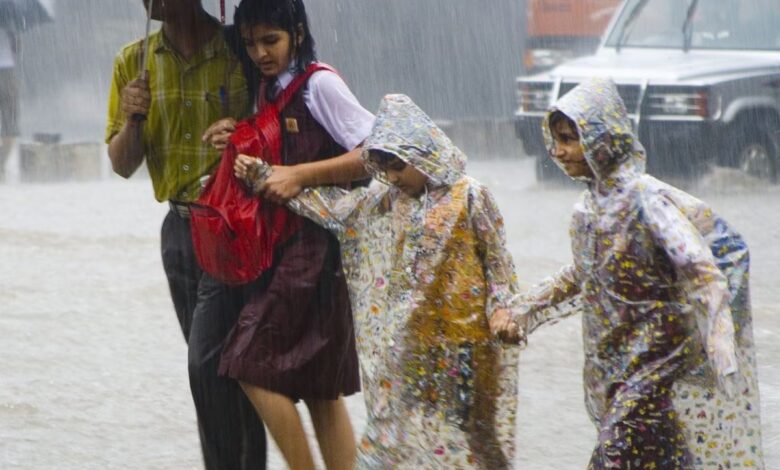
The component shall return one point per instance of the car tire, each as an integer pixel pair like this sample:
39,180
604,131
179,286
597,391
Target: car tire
754,152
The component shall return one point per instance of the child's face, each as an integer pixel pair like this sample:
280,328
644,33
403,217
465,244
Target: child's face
568,151
270,48
398,173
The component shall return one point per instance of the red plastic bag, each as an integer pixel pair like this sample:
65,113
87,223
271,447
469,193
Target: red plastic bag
234,232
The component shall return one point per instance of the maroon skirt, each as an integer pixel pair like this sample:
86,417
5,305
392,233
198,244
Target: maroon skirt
295,335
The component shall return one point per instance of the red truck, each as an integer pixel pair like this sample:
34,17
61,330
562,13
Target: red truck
558,30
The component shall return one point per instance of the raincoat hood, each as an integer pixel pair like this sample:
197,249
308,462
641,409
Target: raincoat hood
606,133
404,130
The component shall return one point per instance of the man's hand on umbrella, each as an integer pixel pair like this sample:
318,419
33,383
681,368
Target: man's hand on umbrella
136,97
218,134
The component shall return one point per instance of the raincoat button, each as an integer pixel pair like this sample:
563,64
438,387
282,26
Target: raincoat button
188,103
185,167
188,136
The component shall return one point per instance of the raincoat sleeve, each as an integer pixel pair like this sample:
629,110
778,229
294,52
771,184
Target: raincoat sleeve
500,277
553,299
705,285
328,206
335,208
331,207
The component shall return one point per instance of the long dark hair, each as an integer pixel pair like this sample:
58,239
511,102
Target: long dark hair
282,14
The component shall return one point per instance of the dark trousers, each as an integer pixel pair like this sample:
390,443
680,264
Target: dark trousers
231,434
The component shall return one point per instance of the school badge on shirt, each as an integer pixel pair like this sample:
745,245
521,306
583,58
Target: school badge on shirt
291,124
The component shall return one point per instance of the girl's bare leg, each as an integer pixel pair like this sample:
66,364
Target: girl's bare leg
334,433
284,423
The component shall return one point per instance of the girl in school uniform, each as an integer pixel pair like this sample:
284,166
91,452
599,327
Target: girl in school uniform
294,339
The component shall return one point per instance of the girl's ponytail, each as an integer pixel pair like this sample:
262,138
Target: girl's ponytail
304,52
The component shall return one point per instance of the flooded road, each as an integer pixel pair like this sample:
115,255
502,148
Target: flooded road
94,368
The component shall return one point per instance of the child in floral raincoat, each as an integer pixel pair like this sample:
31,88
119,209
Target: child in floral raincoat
662,281
424,253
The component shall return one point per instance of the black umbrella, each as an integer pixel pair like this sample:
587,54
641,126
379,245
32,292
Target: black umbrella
24,14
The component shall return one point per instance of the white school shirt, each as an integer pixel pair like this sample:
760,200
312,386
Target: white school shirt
334,107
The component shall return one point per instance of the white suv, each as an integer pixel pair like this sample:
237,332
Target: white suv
700,79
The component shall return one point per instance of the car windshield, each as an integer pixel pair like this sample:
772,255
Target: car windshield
715,24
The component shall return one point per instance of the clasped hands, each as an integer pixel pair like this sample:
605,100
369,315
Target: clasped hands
509,327
279,184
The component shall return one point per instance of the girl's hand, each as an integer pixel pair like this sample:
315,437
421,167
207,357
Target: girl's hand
218,134
283,185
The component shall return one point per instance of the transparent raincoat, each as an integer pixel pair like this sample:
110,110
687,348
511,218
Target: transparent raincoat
662,284
425,274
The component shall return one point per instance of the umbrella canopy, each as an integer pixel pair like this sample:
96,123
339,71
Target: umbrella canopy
24,14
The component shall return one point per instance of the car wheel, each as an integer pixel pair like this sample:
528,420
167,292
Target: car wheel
756,154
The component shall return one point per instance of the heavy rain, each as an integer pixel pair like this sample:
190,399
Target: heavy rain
93,364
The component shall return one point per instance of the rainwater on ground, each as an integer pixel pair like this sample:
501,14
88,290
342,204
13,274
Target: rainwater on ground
93,367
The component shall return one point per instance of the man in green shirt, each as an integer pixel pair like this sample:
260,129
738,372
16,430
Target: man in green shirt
157,113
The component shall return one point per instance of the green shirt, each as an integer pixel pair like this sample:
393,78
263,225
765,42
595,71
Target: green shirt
187,97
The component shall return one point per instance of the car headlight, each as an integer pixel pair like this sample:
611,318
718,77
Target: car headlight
534,97
692,103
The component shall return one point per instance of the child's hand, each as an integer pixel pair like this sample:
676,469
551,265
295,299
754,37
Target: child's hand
252,171
242,167
508,327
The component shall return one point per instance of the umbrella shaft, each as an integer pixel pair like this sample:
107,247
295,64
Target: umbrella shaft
145,52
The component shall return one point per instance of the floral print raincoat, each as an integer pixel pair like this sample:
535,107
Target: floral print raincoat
662,283
425,275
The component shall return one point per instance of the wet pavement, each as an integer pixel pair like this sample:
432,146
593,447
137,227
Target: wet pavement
94,369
